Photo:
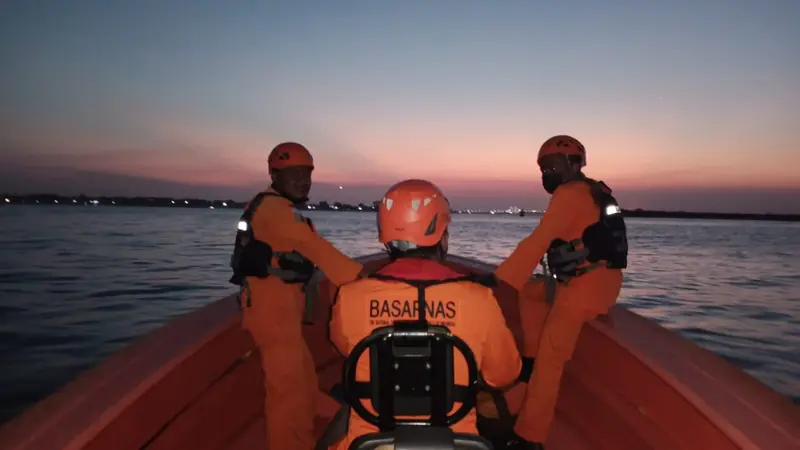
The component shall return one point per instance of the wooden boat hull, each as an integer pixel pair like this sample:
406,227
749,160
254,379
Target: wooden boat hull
195,383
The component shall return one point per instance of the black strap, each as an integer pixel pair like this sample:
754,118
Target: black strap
499,398
255,203
363,390
500,403
527,369
487,280
336,430
422,305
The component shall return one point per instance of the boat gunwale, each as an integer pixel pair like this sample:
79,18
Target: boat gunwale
48,421
711,376
145,354
677,353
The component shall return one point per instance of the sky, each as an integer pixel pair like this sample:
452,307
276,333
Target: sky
682,105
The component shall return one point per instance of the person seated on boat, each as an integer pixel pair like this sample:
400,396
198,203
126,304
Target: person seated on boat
274,257
583,234
413,219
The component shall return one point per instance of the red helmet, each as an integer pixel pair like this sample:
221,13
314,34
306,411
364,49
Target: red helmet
564,145
414,211
289,154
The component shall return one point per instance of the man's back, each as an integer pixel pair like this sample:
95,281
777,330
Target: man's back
467,308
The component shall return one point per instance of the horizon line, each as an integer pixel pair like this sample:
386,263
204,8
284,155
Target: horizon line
12,200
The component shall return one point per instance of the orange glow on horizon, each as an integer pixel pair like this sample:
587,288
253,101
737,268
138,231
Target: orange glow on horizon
457,158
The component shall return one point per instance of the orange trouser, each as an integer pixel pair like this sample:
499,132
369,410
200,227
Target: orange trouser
290,378
551,331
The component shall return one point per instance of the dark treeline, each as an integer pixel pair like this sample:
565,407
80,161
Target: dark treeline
173,202
83,200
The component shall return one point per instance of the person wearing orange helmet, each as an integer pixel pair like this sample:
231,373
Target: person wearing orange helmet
413,220
275,255
583,234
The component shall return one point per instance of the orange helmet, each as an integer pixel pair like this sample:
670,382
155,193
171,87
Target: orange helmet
289,154
564,145
414,211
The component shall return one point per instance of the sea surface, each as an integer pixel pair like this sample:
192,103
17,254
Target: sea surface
78,283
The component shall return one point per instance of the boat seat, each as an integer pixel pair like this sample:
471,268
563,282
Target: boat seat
414,438
412,374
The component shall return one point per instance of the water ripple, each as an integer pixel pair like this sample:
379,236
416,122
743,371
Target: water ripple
75,293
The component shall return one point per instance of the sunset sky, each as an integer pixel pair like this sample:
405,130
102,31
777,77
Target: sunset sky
681,104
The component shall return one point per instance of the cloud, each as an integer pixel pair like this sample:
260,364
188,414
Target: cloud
177,158
183,165
68,181
161,147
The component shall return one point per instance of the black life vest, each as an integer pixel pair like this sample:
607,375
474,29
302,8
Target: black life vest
253,258
603,243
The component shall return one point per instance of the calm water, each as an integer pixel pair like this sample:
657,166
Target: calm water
79,283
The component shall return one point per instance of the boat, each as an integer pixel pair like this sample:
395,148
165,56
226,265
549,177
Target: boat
195,383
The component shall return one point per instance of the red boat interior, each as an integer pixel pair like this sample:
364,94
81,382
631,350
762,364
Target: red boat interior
196,384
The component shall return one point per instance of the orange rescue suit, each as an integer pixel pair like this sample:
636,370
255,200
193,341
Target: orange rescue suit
274,317
551,329
469,309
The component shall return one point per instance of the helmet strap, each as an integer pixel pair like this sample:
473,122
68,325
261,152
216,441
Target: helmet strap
294,200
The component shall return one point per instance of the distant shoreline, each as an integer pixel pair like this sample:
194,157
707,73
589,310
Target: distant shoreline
169,202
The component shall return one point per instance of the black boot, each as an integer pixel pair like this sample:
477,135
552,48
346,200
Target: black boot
515,442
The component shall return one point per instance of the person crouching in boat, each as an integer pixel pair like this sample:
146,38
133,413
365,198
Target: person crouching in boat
583,234
413,219
274,257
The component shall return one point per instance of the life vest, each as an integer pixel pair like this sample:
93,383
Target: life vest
254,258
602,244
439,274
